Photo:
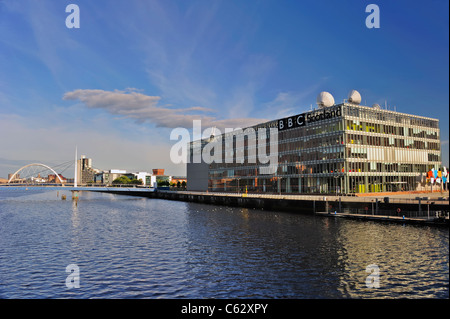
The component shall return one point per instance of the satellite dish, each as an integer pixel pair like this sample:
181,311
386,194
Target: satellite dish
376,106
325,99
354,97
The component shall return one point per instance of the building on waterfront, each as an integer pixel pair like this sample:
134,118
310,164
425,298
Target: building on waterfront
339,148
180,179
107,177
53,178
158,171
15,179
148,179
85,171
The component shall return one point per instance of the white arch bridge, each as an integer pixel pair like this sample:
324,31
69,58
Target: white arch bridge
29,175
33,169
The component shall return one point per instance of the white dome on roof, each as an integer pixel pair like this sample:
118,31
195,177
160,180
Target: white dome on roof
376,106
325,99
354,97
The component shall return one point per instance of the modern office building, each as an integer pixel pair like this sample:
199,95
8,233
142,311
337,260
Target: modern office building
336,148
85,171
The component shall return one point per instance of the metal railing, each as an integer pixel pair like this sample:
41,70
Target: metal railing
422,214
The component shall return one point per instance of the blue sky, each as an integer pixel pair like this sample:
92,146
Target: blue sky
134,70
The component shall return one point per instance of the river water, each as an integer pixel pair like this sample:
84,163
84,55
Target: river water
130,247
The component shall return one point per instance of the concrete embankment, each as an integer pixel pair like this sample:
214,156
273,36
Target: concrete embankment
415,209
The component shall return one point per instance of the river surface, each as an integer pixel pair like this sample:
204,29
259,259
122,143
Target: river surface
131,247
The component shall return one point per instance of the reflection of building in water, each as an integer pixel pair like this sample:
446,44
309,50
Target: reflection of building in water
394,254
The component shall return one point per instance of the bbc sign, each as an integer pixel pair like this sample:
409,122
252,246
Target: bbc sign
302,119
291,122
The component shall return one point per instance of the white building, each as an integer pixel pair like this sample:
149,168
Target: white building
147,178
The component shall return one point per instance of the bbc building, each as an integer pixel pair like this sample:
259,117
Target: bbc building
341,148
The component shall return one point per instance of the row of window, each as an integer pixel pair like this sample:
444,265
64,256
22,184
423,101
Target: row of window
323,168
357,125
292,140
322,127
380,115
313,142
391,142
356,184
364,167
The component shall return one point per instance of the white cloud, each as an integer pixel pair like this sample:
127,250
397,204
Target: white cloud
145,108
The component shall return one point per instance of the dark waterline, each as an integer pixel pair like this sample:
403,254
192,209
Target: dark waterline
129,247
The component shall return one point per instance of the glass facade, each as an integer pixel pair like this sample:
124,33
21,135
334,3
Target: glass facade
357,149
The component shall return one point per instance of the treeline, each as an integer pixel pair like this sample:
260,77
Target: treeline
123,180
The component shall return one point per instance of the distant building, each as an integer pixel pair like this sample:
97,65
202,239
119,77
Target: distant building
158,172
85,171
17,177
52,178
37,179
147,178
176,179
107,177
118,171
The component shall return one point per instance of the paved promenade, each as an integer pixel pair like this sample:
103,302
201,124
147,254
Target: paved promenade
396,197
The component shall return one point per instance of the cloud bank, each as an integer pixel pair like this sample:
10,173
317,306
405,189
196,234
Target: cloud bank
130,103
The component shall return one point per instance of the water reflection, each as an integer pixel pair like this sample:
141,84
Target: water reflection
408,257
307,257
147,248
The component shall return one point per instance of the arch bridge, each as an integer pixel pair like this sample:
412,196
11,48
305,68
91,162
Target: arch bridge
35,165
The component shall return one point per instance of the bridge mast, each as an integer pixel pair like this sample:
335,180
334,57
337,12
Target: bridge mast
76,173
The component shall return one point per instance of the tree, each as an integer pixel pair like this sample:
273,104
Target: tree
136,182
163,183
121,180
